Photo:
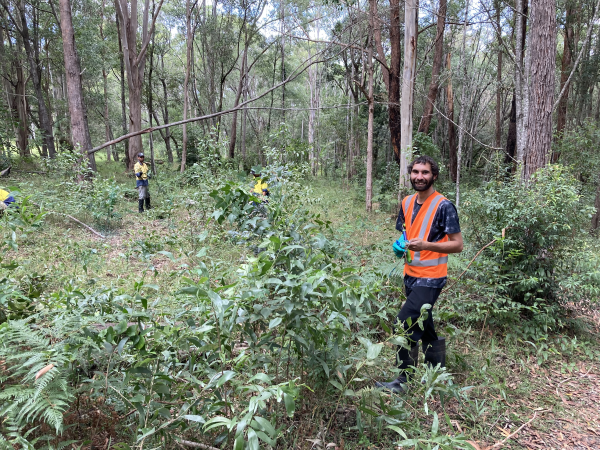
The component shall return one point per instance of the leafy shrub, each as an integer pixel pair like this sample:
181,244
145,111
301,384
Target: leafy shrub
105,195
541,219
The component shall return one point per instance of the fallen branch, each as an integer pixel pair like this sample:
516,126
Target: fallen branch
295,74
197,445
79,222
510,436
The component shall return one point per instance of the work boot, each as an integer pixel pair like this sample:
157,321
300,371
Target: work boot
404,365
435,352
148,202
141,205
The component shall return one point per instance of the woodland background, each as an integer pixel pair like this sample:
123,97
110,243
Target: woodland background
216,321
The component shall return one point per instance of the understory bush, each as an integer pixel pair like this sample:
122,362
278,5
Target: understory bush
534,238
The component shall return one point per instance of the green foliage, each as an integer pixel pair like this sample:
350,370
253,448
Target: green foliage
540,220
25,397
539,255
103,201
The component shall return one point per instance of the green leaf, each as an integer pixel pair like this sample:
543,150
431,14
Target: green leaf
194,418
121,345
239,442
374,350
261,377
337,385
290,404
436,425
274,322
384,326
252,440
215,422
266,426
219,380
263,437
398,430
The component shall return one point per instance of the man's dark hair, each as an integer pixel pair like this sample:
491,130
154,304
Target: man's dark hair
424,159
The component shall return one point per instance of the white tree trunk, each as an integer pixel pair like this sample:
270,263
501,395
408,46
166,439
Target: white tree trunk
408,82
369,181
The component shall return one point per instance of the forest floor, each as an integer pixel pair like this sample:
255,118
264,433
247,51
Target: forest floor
522,394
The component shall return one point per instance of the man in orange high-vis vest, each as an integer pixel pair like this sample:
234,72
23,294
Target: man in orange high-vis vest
432,231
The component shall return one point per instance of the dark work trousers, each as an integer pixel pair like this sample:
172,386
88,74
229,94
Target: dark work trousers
415,299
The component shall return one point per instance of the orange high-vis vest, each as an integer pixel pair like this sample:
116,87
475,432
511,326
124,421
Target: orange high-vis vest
425,264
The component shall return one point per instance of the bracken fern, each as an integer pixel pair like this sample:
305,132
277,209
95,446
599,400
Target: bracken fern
23,399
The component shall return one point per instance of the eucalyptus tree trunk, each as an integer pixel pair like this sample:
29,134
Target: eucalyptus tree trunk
565,71
451,127
17,101
282,45
45,121
498,134
233,134
394,114
165,111
189,33
369,181
79,126
408,83
107,128
541,85
438,57
461,114
123,103
135,62
521,91
312,86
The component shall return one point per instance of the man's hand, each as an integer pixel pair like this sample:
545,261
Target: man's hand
453,245
416,245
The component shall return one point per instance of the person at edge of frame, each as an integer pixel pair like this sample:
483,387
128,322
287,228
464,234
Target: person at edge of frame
432,232
141,182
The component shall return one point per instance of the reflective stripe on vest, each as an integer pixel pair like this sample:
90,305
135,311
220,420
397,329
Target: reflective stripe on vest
436,267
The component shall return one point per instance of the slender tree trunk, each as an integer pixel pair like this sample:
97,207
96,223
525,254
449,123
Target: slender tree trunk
123,103
44,116
566,65
369,181
107,131
438,57
165,110
521,91
498,134
282,45
394,116
244,120
17,102
233,137
452,150
135,62
511,139
188,58
151,106
596,216
79,131
541,85
312,86
463,100
408,84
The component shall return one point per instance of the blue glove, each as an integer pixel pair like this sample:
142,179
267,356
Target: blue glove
400,247
139,174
